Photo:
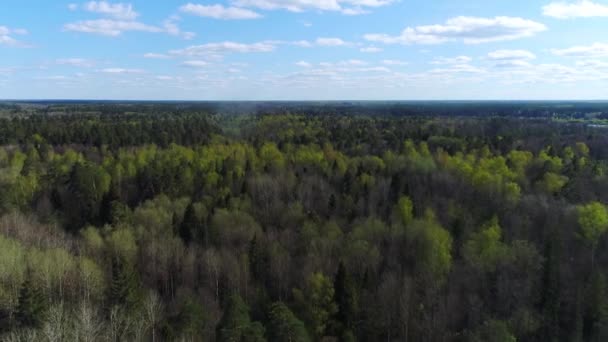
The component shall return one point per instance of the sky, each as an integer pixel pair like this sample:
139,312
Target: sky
304,50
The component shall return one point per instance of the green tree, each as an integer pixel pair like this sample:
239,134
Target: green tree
432,248
317,301
32,304
406,210
347,298
124,286
593,221
236,325
283,325
189,224
485,250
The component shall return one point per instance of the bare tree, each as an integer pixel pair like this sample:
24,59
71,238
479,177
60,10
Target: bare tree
88,326
153,310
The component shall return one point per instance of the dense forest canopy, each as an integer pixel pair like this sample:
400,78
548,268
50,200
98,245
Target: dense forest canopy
342,221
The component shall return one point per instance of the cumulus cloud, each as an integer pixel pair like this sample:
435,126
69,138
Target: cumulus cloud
331,42
452,60
119,18
580,9
219,11
110,27
119,10
7,36
511,55
195,64
470,30
593,50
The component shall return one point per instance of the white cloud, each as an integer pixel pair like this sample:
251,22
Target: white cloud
452,60
110,27
513,63
120,18
470,30
171,27
347,7
331,42
118,11
76,62
595,64
303,64
580,9
370,49
121,71
115,28
351,62
214,49
195,64
458,68
593,50
7,36
511,55
302,43
156,56
393,62
218,11
72,7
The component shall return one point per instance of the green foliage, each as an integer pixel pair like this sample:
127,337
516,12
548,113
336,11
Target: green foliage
283,325
405,208
347,297
432,247
236,324
317,301
201,204
124,286
593,221
190,320
485,250
234,228
552,183
32,304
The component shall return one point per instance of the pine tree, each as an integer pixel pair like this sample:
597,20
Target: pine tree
124,285
258,263
346,297
551,289
32,304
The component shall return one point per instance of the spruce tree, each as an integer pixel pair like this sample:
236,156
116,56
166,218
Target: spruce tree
32,304
124,286
346,297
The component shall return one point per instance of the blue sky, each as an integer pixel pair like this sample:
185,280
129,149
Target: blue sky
304,49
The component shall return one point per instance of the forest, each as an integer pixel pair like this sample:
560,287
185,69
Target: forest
127,221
